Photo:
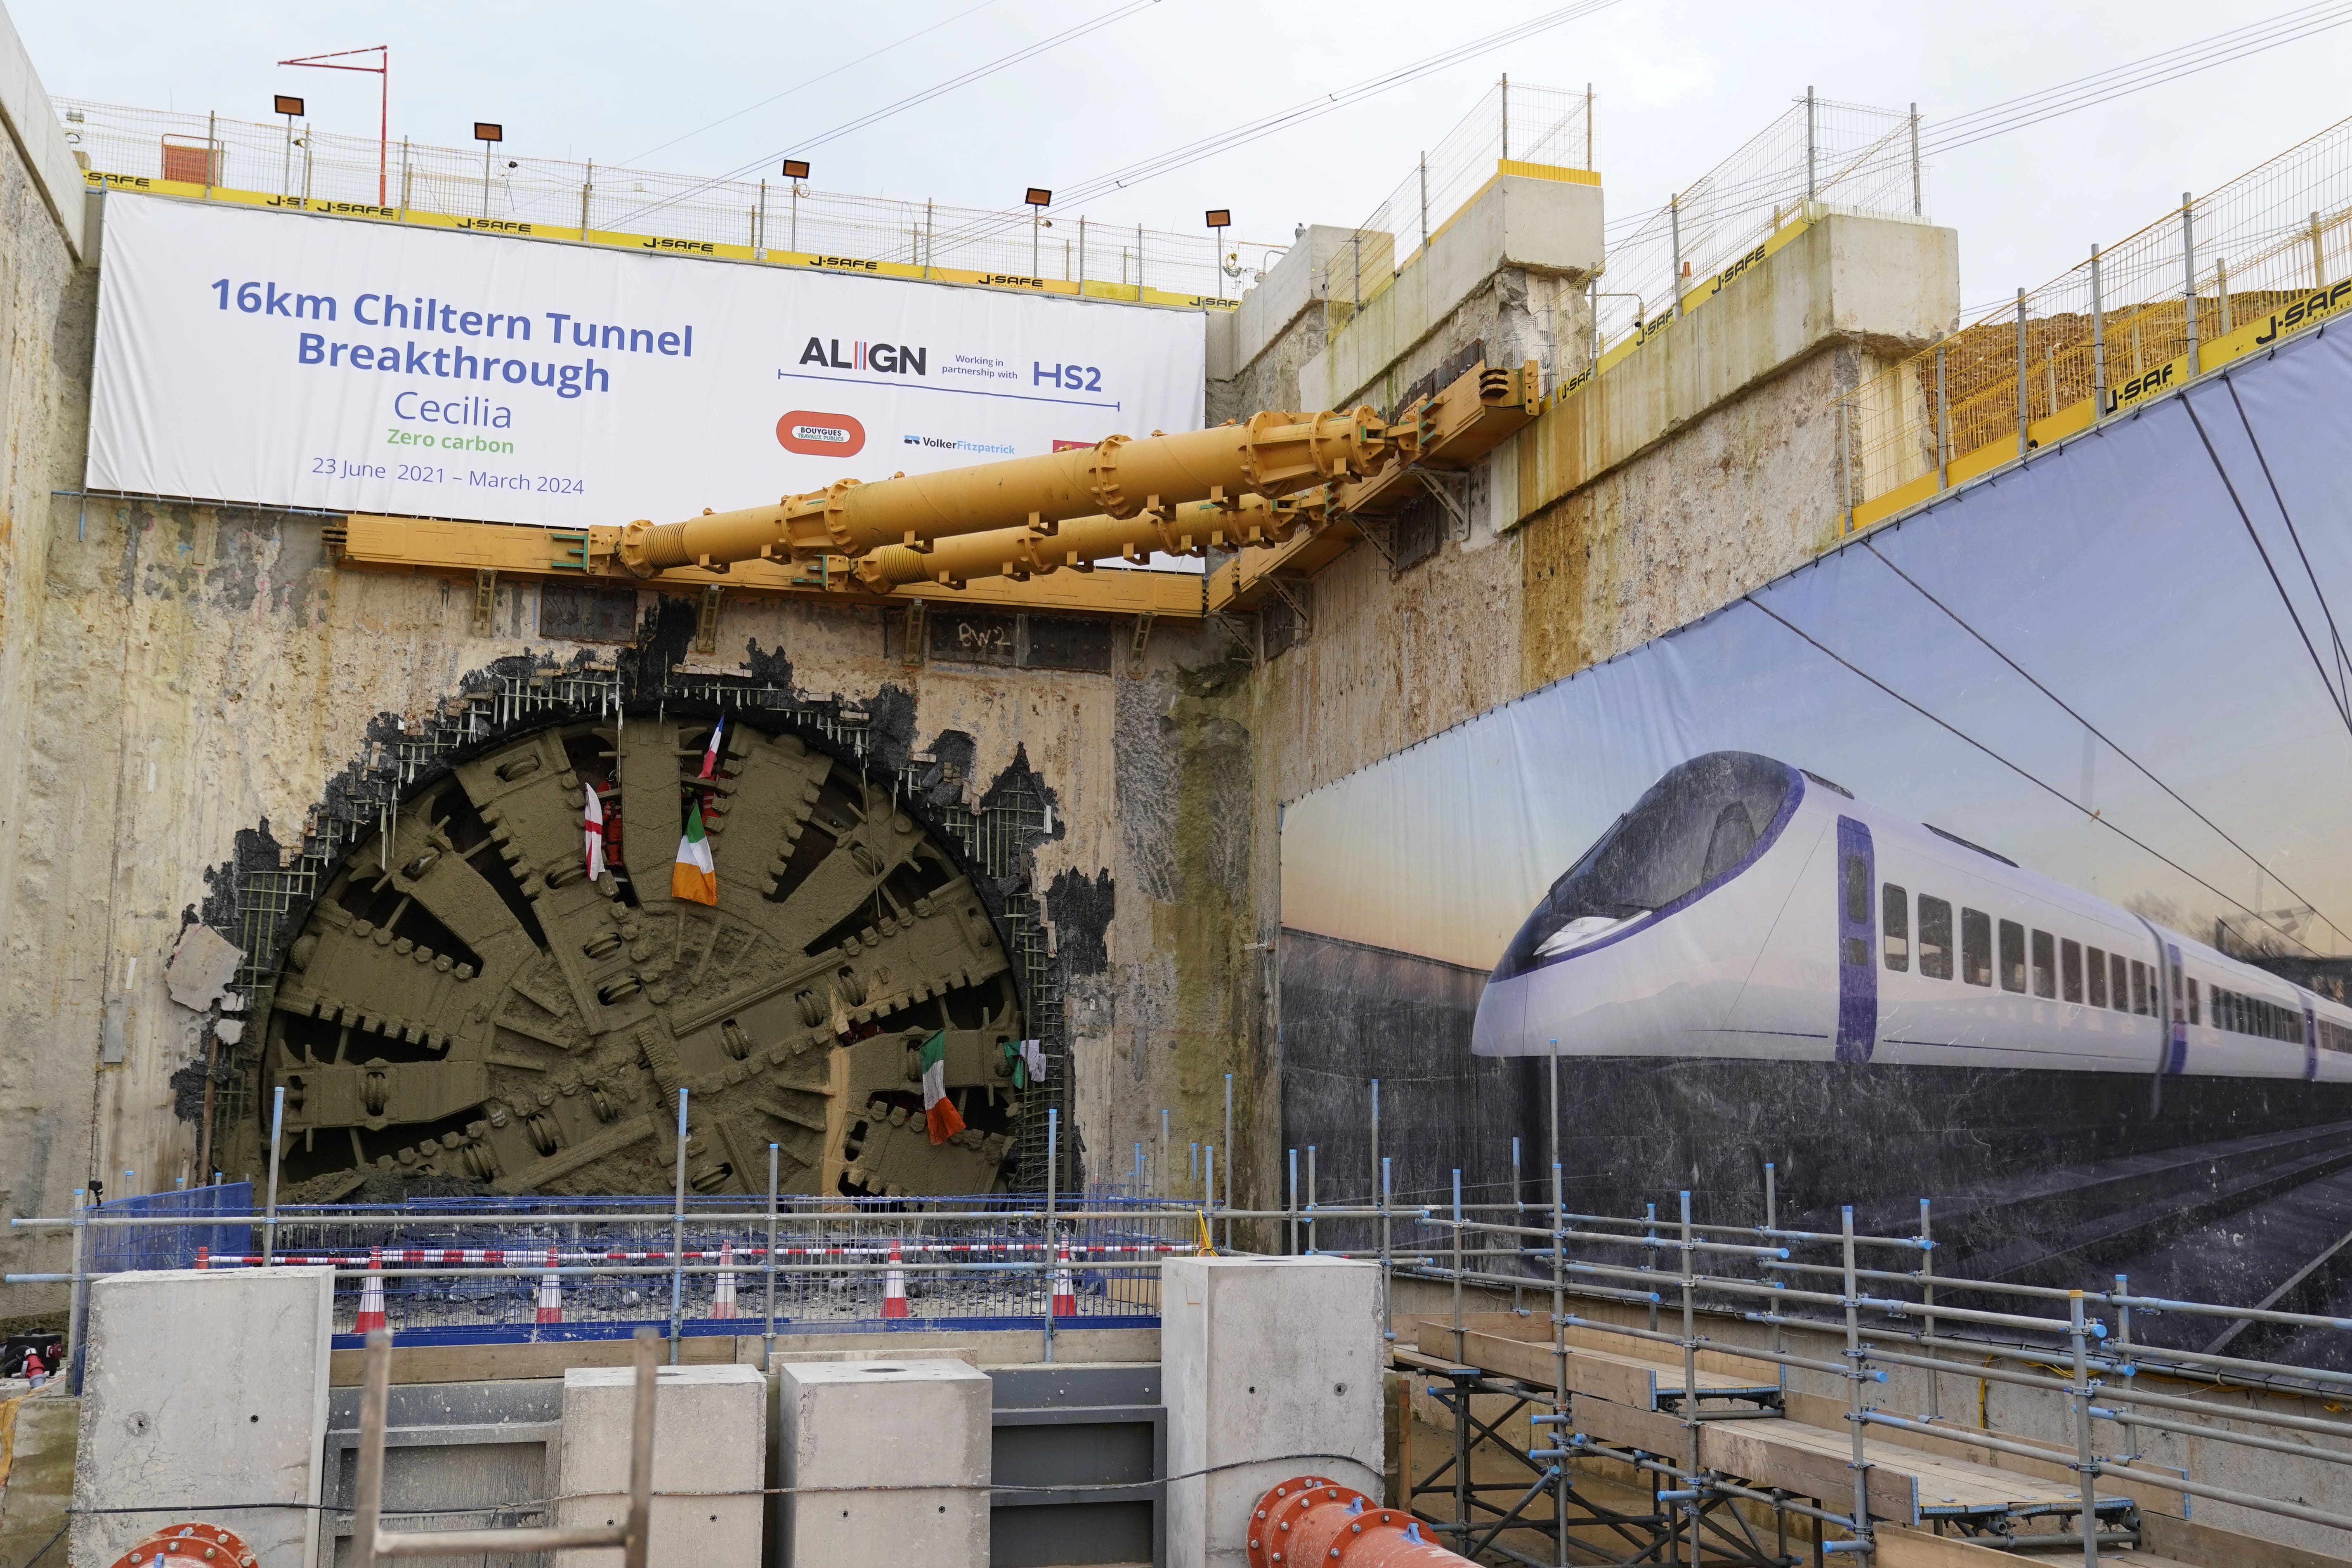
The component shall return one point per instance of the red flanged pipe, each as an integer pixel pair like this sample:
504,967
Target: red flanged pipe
192,1545
1313,1522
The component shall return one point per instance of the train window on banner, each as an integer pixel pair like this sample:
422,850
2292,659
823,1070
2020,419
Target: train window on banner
2097,973
1857,908
2012,956
2140,987
1975,947
2192,999
1897,921
2335,1036
2070,970
1935,937
2122,986
2045,965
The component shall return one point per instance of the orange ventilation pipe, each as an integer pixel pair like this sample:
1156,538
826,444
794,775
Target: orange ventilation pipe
1271,455
1309,1522
1079,542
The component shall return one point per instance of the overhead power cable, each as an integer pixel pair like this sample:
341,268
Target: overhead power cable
1003,62
811,81
2050,789
2104,738
2155,70
2082,92
1241,135
2336,637
2337,699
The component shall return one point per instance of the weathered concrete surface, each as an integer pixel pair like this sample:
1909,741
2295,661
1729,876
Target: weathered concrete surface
1886,285
40,1488
1741,494
882,1463
37,136
1270,1368
203,1388
1256,352
45,305
710,1448
1510,268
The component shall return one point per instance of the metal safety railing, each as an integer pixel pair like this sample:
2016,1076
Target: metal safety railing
1817,155
212,156
1515,126
1674,1293
2221,276
486,1269
1686,1297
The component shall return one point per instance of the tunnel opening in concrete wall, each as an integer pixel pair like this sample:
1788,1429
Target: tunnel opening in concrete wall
465,1008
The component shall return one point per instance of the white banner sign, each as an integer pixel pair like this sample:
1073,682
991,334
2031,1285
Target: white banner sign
287,359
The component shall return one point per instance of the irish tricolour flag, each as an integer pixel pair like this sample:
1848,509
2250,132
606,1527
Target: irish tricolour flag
939,1110
693,876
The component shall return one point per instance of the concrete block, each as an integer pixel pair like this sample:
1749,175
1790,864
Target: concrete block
920,1424
1889,284
1517,220
201,966
1272,1366
39,1487
203,1388
710,1438
33,121
1290,285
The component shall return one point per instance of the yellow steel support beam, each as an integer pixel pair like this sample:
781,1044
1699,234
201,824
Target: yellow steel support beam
1339,472
1466,419
1079,543
512,549
1271,455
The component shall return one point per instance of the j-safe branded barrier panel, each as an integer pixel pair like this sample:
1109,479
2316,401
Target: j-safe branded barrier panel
1995,859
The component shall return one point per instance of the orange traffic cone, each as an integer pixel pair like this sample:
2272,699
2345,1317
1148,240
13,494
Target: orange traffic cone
722,1299
204,1257
370,1316
1065,1300
894,1285
551,1292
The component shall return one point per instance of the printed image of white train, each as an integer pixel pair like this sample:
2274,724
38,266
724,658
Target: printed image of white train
1746,909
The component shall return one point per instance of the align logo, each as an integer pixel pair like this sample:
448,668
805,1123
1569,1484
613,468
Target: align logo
818,435
896,359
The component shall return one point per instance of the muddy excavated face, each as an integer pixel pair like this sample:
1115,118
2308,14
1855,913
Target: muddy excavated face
466,1001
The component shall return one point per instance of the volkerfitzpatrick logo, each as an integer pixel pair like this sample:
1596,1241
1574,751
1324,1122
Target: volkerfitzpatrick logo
953,445
820,434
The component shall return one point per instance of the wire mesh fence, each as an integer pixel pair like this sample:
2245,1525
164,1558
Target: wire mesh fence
1534,128
2218,277
783,221
1847,157
215,1221
477,1269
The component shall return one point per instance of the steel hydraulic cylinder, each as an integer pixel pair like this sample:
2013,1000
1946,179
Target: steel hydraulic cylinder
1188,529
1272,454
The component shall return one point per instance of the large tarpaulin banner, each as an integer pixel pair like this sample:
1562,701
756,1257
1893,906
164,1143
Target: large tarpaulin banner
2000,847
291,360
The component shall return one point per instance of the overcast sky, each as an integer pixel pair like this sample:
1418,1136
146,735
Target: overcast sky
1677,89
